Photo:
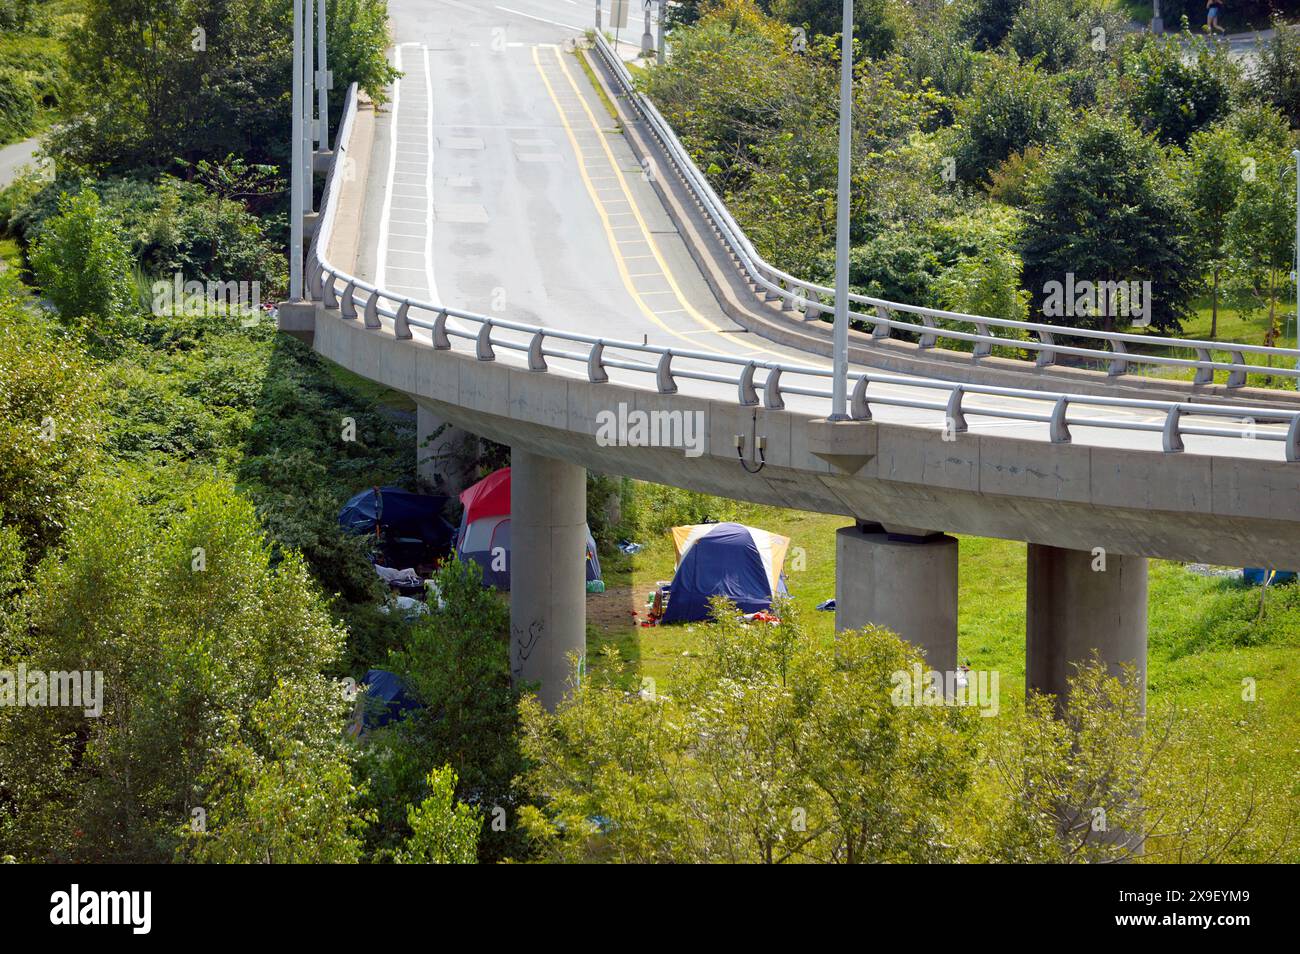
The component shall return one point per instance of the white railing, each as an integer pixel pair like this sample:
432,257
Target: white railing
356,299
813,299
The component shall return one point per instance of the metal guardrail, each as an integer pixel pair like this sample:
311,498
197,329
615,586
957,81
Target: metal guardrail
359,299
813,299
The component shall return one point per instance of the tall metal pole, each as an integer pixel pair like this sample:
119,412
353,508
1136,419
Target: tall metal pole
663,15
322,83
597,14
840,390
1295,154
308,108
295,177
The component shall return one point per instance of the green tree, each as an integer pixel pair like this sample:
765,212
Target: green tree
1105,209
1171,92
443,831
51,427
153,80
83,265
1213,180
212,696
281,792
1014,106
987,22
1262,232
1275,78
456,661
773,748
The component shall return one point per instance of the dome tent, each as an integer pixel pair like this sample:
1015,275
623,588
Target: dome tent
743,564
484,534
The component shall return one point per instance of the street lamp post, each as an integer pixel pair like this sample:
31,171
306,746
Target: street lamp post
323,82
1295,154
663,15
840,388
296,173
308,107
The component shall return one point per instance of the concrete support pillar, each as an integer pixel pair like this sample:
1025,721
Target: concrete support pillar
907,585
548,572
1078,601
445,455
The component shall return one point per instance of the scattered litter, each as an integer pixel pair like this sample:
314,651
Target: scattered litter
405,607
1204,569
595,586
407,577
828,605
627,546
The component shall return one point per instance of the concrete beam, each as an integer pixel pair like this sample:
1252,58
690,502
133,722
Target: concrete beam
548,572
1077,602
905,586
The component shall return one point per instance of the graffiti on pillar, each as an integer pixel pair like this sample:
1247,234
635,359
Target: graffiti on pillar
525,642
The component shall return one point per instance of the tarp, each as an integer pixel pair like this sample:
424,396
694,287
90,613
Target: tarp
400,513
484,534
732,560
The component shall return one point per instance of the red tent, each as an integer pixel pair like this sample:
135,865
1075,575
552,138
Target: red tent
490,497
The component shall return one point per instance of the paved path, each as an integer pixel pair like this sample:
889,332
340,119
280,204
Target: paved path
16,157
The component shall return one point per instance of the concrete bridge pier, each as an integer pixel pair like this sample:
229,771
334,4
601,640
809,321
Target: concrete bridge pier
548,572
905,581
1078,601
445,455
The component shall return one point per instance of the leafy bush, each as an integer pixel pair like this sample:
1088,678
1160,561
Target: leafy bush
1173,94
17,105
83,265
1013,106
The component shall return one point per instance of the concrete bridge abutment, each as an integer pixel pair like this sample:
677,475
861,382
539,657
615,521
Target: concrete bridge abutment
548,573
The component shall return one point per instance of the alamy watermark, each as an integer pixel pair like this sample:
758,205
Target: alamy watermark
193,297
40,688
630,427
1103,299
958,687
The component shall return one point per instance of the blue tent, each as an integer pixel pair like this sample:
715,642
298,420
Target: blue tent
725,559
386,699
400,514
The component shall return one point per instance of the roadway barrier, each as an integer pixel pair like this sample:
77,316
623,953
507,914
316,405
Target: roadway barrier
812,299
356,299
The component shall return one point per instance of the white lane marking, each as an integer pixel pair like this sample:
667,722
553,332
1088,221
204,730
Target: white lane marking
381,254
520,13
428,183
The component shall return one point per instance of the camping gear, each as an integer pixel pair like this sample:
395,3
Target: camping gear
743,564
410,526
385,699
1258,576
484,534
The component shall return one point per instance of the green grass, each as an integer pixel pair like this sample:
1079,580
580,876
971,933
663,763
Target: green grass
1242,320
1205,636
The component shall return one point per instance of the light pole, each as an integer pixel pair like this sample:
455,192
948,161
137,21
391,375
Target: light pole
308,108
1295,154
840,388
1157,21
323,82
295,176
663,15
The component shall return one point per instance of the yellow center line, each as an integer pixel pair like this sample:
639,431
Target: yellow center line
600,208
654,247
